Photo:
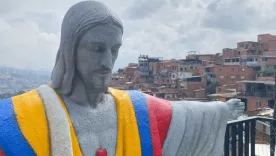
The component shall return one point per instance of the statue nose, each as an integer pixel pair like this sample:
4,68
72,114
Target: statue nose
106,60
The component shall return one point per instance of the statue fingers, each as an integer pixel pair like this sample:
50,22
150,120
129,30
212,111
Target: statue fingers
241,104
235,100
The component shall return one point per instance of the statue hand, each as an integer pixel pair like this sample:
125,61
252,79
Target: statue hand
235,107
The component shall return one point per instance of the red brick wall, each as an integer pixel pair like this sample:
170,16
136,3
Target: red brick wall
206,57
200,94
130,72
263,38
270,61
272,44
196,85
270,52
231,74
250,45
202,57
155,67
201,70
243,51
229,53
251,103
170,65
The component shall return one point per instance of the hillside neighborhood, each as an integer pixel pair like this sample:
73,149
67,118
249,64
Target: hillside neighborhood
245,72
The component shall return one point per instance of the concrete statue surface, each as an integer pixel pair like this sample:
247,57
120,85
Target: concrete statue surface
78,114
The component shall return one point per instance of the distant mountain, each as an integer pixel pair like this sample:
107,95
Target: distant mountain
14,80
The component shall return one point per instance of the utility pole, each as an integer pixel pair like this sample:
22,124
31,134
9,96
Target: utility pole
274,112
273,124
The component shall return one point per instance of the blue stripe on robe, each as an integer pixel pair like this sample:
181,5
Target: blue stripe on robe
12,141
139,103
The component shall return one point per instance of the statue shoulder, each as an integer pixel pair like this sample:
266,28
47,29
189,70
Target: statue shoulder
21,117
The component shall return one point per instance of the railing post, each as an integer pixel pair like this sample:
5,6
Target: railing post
240,137
253,133
272,138
234,140
226,142
246,137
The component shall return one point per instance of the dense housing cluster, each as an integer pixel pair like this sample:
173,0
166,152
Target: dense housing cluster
245,72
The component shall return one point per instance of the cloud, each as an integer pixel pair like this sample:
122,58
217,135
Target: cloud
30,29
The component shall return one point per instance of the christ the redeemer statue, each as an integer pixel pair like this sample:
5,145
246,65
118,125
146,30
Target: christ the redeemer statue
78,114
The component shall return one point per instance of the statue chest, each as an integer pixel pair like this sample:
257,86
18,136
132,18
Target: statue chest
95,128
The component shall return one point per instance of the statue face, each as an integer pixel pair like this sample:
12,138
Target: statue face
96,54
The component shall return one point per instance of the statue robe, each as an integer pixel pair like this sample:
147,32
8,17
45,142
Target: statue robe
143,122
37,123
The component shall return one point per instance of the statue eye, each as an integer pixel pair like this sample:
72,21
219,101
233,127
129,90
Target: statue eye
95,47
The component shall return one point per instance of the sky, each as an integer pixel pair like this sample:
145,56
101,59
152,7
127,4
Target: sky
30,29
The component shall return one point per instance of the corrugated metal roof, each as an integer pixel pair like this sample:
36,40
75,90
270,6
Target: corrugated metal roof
225,94
252,81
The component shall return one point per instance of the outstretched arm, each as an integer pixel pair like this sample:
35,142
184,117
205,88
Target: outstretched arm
198,128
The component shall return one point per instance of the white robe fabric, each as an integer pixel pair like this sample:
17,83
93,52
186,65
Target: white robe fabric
59,128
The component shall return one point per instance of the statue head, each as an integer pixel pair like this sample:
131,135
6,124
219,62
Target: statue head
91,36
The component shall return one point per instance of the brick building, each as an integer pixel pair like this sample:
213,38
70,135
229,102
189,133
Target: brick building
229,74
222,75
257,95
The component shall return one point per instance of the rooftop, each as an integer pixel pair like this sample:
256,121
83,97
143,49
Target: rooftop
226,95
257,81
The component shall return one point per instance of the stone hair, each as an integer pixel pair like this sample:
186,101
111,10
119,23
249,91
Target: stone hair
79,19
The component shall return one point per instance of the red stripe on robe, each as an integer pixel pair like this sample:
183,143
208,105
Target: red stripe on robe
160,114
1,153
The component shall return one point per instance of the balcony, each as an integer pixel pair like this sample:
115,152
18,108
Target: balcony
240,137
263,94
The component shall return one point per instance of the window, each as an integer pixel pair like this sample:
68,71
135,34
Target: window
243,69
221,77
242,77
265,59
181,69
233,69
238,52
233,77
258,103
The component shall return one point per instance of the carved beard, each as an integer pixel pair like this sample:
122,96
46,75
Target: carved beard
98,83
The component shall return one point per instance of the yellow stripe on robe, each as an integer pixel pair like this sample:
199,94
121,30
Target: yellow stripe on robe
128,142
31,118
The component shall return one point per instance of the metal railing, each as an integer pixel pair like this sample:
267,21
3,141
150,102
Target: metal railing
240,137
